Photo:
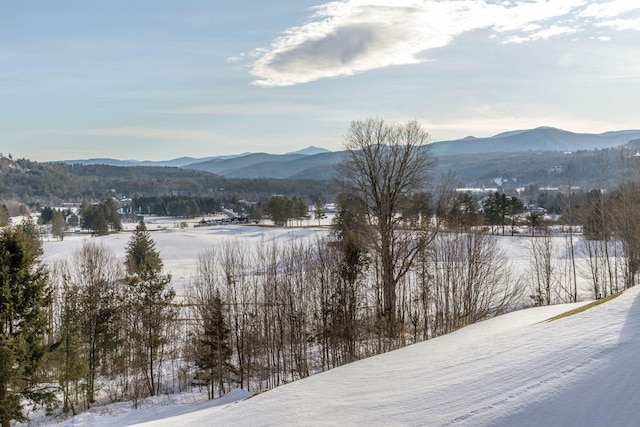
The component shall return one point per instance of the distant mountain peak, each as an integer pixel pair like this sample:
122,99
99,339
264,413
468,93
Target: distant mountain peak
310,151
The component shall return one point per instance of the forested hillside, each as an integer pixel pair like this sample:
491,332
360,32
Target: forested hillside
37,184
586,169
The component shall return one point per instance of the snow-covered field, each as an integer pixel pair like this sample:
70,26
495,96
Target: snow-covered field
513,370
180,247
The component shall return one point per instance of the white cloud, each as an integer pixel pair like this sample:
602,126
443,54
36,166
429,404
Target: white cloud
622,24
610,9
236,58
545,34
347,37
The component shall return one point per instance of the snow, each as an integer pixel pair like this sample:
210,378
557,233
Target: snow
120,414
180,247
514,369
510,370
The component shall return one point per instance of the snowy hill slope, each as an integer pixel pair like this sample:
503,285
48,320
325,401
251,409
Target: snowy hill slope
510,370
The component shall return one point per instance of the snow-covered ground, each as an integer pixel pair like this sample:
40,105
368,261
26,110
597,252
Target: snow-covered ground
180,247
511,370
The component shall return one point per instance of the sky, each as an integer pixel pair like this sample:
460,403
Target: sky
159,79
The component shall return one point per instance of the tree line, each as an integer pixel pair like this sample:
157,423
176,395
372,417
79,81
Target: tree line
35,185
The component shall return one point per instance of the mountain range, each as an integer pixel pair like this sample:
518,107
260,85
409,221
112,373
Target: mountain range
540,139
317,163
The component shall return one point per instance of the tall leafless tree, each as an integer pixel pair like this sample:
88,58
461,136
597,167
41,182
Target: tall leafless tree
542,254
384,162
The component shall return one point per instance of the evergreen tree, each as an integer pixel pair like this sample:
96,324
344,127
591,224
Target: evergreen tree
594,217
215,348
4,215
492,208
100,226
298,208
516,206
24,301
497,207
86,215
99,218
151,298
416,209
110,207
279,210
534,220
46,215
143,259
462,213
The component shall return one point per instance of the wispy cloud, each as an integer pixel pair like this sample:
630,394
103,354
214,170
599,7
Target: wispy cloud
622,24
609,9
268,110
348,37
145,133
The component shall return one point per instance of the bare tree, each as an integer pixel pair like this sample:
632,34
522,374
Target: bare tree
472,280
543,269
384,162
95,271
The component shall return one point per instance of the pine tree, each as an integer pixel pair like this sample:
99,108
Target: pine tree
279,210
143,259
152,300
215,348
24,300
100,225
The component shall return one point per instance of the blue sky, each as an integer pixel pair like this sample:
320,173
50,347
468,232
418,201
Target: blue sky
154,80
